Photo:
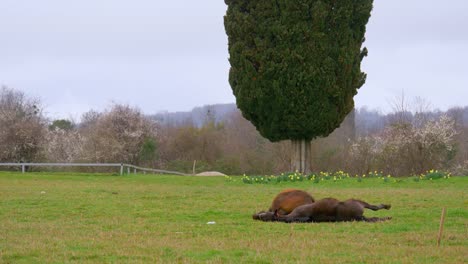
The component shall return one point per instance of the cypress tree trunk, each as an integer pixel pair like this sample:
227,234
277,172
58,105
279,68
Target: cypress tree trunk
301,156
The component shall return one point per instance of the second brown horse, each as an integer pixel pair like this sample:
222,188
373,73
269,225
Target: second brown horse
284,203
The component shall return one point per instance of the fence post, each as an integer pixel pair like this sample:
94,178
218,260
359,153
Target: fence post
134,170
441,226
121,169
23,169
128,170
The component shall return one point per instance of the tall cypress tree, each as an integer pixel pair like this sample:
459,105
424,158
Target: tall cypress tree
295,65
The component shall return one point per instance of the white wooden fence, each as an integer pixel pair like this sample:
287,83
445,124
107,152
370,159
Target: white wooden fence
122,166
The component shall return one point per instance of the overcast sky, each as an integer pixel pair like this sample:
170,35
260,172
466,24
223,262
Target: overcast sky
172,55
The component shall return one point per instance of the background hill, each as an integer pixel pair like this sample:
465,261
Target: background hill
198,116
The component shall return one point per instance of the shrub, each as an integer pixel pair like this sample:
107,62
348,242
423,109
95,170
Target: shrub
22,127
405,149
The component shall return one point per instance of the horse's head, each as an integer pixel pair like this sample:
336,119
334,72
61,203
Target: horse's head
264,216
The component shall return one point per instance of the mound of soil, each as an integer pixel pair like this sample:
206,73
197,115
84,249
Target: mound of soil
211,173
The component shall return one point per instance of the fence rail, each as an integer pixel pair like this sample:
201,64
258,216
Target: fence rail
122,166
136,168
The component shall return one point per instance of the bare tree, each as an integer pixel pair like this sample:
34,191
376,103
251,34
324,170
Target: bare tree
22,126
421,109
401,110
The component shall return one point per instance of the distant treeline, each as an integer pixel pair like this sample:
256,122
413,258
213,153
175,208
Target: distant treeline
367,121
403,142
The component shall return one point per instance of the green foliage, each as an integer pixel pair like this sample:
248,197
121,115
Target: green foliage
295,65
61,124
148,150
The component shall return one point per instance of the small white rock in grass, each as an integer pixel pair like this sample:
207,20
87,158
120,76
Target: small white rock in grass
211,223
43,192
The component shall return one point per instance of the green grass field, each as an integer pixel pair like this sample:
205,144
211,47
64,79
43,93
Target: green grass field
99,218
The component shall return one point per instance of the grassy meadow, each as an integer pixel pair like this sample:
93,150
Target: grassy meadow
102,218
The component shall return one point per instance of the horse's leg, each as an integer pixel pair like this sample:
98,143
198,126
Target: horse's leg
298,220
281,212
282,218
326,218
374,207
292,219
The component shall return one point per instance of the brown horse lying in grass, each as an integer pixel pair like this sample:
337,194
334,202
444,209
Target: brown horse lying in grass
327,210
285,202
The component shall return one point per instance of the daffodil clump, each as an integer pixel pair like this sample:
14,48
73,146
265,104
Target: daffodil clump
294,177
434,175
333,177
229,178
257,179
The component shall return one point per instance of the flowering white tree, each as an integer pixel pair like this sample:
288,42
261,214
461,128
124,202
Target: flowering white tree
403,149
63,145
117,135
435,143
